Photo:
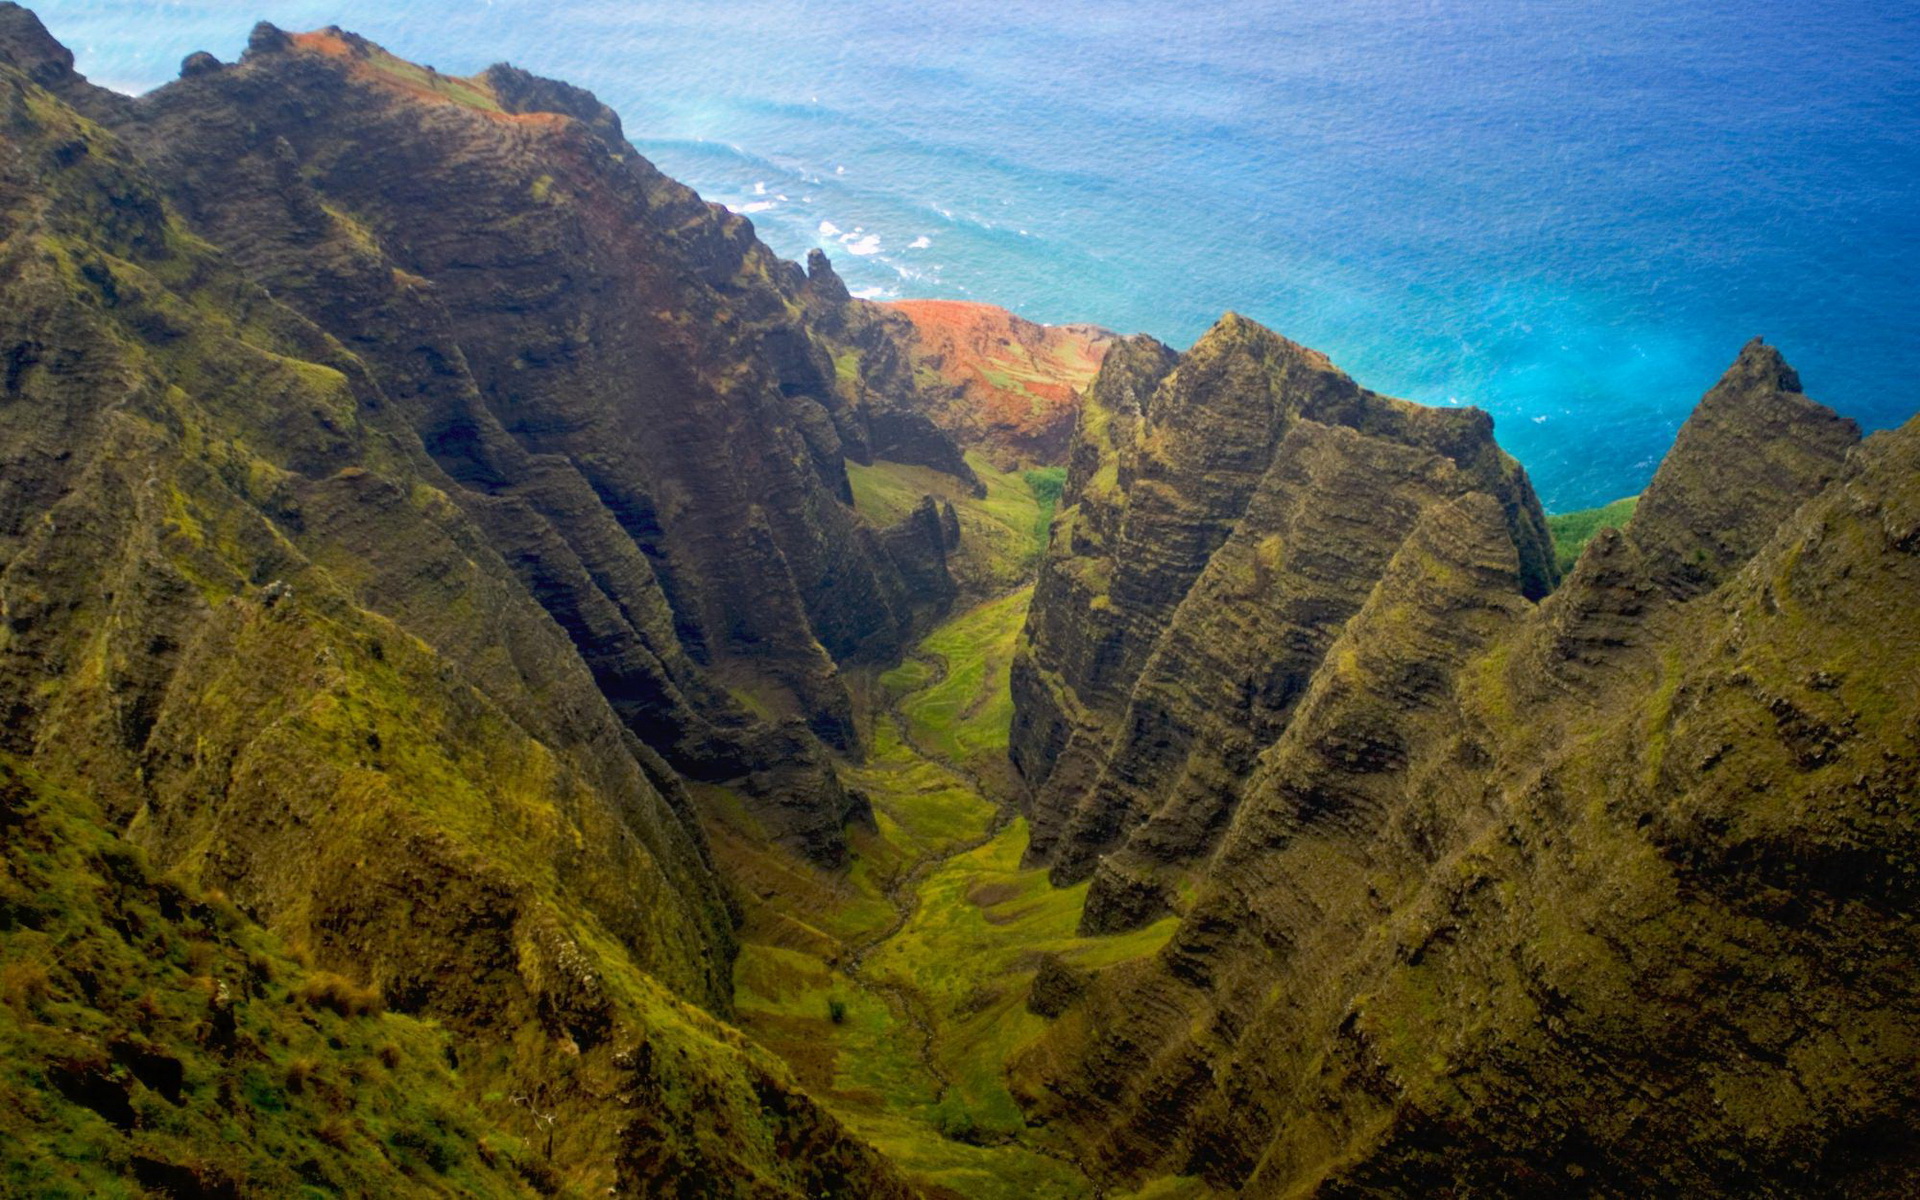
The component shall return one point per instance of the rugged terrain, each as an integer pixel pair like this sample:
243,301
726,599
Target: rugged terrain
407,493
1607,894
511,688
1226,512
1005,386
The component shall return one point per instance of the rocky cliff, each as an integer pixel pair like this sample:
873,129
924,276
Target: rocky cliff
403,489
1605,895
423,525
628,387
1226,512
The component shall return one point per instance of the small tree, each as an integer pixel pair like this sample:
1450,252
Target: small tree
546,1120
836,1009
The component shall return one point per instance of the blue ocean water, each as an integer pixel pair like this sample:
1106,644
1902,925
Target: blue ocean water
1570,213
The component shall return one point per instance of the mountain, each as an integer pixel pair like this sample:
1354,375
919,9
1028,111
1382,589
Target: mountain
1608,894
1226,512
406,492
511,688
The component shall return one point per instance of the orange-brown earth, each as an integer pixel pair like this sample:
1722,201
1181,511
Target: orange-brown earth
1014,385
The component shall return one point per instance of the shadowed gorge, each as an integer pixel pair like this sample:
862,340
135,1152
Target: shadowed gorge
512,688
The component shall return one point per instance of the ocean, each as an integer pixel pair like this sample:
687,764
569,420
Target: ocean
1571,214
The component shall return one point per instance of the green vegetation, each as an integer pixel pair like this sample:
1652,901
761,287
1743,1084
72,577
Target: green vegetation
154,1038
1047,484
960,708
897,991
1001,536
468,93
1572,531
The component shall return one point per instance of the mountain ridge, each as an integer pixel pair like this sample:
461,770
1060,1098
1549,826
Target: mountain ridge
512,687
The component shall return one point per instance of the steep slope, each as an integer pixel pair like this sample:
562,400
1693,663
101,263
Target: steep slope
156,1039
1609,896
1012,387
628,387
249,613
1226,511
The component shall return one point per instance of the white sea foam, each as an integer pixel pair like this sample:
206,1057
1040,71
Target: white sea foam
756,206
829,229
920,243
875,293
870,244
759,188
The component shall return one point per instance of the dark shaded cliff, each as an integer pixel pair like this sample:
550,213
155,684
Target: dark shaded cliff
627,387
376,572
1226,511
1609,895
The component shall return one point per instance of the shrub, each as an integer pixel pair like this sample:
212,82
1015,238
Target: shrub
335,1132
299,1072
199,958
955,1123
836,1010
25,985
324,989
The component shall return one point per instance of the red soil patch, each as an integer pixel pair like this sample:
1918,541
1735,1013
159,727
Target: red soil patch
1016,384
372,64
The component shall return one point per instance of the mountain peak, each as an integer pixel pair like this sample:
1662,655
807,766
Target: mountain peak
1761,365
1755,447
823,280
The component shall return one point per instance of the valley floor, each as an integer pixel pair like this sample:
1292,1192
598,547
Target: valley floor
897,990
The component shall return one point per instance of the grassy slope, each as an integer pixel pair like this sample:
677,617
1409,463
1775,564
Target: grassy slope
1001,536
121,1025
929,942
1572,531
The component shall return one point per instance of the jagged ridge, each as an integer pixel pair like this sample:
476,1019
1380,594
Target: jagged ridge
1604,896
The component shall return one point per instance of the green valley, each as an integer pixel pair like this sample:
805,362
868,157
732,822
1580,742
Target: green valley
898,991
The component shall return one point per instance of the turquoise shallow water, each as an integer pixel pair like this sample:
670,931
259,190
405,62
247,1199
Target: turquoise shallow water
1572,214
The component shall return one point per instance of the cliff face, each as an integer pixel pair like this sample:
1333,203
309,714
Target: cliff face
1607,895
634,396
386,567
1226,512
1006,386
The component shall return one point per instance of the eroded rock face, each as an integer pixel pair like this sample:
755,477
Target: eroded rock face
636,399
353,570
1607,895
1226,512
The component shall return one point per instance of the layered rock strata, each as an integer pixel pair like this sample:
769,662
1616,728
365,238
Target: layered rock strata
1605,895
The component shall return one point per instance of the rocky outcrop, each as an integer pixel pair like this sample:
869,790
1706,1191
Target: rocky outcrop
1226,512
1754,447
872,352
1055,988
1601,896
1011,387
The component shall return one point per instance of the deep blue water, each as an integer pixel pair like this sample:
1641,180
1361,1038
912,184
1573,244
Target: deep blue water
1572,214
